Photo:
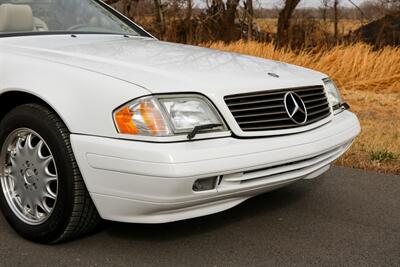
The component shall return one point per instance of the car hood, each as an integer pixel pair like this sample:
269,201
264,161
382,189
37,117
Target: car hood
162,67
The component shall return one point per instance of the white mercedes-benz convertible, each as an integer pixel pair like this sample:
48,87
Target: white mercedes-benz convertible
100,120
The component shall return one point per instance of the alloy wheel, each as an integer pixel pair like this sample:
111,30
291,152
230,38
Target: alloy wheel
28,176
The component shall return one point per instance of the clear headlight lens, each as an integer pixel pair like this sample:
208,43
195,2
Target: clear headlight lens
333,93
166,115
187,113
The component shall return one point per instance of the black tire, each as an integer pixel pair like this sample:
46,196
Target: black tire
74,213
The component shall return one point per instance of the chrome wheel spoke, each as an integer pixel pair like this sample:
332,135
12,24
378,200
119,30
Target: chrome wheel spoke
49,193
34,211
28,143
19,143
42,204
29,176
28,203
38,149
46,162
48,180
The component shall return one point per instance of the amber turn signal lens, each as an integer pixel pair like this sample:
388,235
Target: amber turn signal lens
123,119
141,117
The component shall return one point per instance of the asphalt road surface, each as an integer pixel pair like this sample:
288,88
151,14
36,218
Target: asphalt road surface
346,217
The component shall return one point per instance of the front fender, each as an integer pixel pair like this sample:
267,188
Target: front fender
83,99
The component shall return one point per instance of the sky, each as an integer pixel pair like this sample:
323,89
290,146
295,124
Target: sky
303,3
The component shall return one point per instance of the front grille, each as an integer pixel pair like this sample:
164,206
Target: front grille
262,111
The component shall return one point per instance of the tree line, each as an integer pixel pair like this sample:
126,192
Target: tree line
189,21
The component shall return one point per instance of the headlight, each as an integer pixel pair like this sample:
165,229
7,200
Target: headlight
333,94
187,113
167,115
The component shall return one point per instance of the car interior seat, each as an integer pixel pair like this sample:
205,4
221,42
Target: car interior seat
19,18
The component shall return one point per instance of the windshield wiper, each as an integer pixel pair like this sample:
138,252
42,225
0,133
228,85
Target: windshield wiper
199,128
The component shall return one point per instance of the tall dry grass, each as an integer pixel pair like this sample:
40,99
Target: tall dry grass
370,82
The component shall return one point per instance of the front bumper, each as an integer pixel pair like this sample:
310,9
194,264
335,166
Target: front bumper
143,182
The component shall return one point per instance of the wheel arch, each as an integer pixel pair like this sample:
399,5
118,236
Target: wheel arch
12,98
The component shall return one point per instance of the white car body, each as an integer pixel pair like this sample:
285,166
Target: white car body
84,78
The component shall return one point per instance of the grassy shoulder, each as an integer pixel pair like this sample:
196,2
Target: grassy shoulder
370,83
378,146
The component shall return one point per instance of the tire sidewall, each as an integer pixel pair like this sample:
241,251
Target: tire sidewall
37,119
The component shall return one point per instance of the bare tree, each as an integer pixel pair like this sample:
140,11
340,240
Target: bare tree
336,18
189,11
160,18
222,15
324,9
123,6
250,14
285,15
231,7
362,14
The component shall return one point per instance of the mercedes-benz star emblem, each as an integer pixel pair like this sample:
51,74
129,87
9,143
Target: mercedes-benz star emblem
295,108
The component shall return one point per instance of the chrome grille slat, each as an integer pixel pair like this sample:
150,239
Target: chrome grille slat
302,89
315,100
229,98
265,128
263,111
255,102
317,105
318,111
256,108
263,121
261,114
272,92
314,94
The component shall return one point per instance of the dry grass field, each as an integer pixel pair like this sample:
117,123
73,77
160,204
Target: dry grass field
345,25
370,83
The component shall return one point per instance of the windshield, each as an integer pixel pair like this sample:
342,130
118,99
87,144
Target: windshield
59,16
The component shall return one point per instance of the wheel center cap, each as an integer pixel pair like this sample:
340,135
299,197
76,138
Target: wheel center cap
28,176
